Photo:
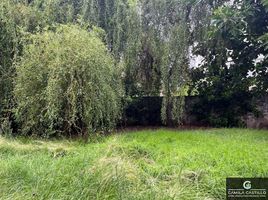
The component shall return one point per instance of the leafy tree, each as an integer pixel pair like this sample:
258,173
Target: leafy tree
143,57
15,17
66,83
154,63
174,73
112,16
7,52
151,40
229,71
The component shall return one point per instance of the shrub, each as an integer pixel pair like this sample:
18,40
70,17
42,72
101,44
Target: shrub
5,127
66,83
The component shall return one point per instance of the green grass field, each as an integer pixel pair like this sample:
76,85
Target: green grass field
160,164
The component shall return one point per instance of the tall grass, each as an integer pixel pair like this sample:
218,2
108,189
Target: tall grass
143,165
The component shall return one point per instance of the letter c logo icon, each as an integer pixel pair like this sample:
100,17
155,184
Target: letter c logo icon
247,185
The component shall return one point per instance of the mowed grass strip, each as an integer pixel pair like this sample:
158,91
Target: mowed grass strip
160,164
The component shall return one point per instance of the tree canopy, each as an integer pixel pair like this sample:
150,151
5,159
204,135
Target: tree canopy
234,67
214,49
66,82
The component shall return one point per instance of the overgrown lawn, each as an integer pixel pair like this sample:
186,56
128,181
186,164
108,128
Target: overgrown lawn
145,165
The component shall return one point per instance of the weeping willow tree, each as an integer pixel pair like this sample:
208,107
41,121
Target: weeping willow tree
142,56
186,28
157,57
112,16
9,50
7,53
174,74
67,83
175,61
151,39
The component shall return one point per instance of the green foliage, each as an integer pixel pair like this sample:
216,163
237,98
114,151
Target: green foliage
15,17
154,63
265,2
151,41
22,15
5,127
229,75
66,82
6,70
174,73
112,16
8,52
144,165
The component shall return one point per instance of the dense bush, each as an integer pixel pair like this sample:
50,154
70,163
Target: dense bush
66,83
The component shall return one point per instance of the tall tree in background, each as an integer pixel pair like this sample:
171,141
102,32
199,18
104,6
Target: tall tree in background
158,55
231,65
175,63
174,74
7,53
16,17
262,78
153,40
112,16
143,55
